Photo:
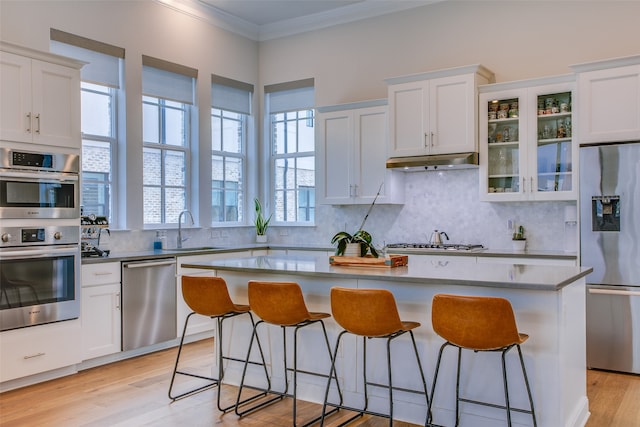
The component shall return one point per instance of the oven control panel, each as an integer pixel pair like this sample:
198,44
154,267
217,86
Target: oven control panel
33,236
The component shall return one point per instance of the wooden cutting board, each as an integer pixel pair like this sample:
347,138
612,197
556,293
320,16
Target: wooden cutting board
369,261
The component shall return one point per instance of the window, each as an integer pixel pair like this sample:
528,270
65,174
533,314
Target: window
231,107
291,124
98,146
99,91
166,122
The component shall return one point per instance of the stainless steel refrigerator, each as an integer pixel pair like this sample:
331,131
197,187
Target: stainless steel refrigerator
610,243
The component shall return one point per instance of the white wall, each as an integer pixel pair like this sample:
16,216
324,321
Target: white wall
140,27
517,40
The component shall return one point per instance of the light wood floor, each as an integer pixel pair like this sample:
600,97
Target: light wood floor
134,393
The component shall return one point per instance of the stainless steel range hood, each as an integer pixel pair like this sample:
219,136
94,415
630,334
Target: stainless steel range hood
434,162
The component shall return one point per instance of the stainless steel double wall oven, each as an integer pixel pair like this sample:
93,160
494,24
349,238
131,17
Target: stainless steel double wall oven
39,237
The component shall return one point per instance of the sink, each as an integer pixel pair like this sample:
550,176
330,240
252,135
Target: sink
194,249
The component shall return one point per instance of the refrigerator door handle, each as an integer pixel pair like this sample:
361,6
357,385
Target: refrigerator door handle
613,292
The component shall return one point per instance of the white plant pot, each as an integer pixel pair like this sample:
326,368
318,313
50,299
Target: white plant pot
261,238
352,249
519,245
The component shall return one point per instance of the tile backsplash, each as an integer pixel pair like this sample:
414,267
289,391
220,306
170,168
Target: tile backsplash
444,200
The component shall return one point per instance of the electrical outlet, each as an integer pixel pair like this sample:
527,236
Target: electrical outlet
283,232
511,224
215,234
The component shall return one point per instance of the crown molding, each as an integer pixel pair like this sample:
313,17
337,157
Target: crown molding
351,13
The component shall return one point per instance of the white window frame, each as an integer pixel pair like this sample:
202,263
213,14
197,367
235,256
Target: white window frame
286,97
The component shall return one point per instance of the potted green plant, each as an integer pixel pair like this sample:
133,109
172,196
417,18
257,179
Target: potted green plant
261,223
358,243
519,240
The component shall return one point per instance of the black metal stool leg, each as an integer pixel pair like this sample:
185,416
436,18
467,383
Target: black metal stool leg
212,381
526,383
506,387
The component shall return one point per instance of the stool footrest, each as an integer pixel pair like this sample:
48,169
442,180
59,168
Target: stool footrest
406,390
493,405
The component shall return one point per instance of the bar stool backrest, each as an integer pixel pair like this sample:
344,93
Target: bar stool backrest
279,303
206,295
474,322
366,312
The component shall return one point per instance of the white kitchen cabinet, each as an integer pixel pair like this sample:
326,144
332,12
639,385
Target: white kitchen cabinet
40,100
351,155
609,100
101,313
528,150
37,349
528,261
435,112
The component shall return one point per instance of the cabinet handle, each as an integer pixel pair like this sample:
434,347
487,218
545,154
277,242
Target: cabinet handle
524,184
426,140
355,190
28,122
531,186
38,122
117,297
431,137
103,273
33,355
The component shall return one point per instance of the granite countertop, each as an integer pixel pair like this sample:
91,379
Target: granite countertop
533,277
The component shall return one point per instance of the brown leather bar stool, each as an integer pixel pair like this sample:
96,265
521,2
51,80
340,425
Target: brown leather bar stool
282,304
478,324
209,296
371,313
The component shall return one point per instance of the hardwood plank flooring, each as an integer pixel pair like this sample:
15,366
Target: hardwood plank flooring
134,393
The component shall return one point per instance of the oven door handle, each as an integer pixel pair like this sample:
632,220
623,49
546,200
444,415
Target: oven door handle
73,250
53,176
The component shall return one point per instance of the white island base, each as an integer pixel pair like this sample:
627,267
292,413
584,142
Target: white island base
549,304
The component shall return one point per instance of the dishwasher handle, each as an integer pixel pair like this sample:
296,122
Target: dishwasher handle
613,292
148,264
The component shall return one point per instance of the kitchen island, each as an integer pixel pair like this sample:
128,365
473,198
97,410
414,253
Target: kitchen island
549,303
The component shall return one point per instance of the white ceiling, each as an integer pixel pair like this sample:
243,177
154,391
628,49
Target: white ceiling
268,19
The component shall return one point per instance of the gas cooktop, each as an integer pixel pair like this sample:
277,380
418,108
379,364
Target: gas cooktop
443,246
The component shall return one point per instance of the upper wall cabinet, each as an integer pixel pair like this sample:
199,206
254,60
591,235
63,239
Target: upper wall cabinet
528,149
609,100
40,100
435,112
351,155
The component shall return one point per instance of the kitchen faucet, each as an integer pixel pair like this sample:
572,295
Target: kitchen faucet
180,239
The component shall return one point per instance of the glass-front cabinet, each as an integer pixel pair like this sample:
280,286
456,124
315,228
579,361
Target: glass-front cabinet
528,149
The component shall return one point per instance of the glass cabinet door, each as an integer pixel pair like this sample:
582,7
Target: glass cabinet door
503,142
554,143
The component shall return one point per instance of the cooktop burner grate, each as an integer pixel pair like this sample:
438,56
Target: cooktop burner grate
444,246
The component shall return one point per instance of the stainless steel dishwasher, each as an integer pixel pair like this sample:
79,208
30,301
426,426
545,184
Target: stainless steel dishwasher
148,302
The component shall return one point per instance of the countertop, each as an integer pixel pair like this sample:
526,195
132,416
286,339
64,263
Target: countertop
169,253
513,276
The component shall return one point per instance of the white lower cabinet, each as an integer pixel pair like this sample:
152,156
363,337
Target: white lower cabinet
440,260
101,314
528,261
37,349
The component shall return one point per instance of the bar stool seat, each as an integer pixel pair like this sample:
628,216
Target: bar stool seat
282,304
480,324
209,296
370,313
